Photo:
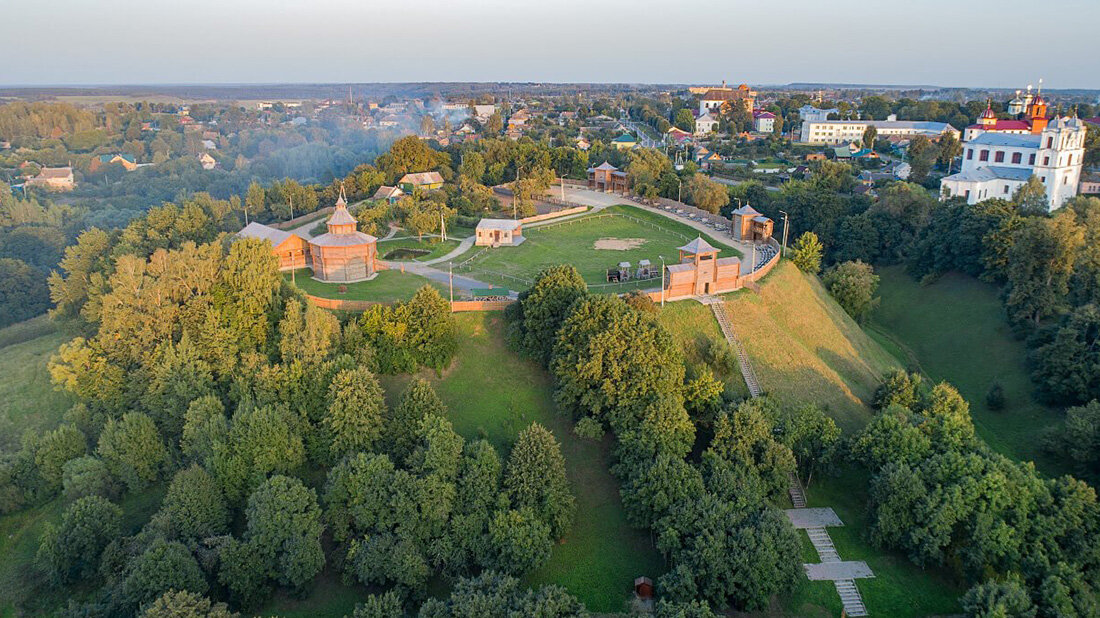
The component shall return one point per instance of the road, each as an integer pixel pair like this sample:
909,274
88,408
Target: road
734,183
642,131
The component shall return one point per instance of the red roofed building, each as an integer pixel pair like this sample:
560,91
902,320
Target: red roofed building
1032,121
763,121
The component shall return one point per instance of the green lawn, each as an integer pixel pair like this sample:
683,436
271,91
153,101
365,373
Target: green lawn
389,286
955,330
899,589
689,322
492,393
434,246
573,242
27,397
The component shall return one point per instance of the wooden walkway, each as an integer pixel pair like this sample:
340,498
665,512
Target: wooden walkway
850,598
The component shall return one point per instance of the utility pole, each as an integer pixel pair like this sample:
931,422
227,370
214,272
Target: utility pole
786,221
678,187
292,206
662,280
563,188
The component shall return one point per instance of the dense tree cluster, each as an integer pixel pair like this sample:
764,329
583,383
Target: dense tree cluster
943,497
198,367
615,366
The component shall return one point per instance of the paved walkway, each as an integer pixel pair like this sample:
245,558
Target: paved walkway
837,571
803,518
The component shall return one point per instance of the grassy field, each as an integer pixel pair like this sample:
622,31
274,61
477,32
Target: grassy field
27,397
387,287
434,246
492,393
574,242
899,589
955,330
802,345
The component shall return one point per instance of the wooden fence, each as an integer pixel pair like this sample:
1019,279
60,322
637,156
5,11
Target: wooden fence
339,304
554,215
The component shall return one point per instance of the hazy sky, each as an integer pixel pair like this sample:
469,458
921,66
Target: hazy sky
1007,43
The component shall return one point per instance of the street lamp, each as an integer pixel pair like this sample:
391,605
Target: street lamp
662,280
786,220
679,186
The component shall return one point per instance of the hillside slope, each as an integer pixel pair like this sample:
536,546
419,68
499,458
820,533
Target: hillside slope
803,346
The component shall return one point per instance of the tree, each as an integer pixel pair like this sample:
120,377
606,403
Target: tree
354,419
163,567
54,450
71,550
132,449
519,541
922,154
535,478
308,335
869,135
494,595
86,476
432,333
184,604
1042,257
806,253
543,307
900,388
261,441
23,292
409,154
179,376
194,507
386,605
998,599
1078,439
1031,198
401,425
853,285
204,424
707,194
284,527
685,120
949,148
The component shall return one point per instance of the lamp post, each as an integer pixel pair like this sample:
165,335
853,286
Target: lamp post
786,220
678,187
662,280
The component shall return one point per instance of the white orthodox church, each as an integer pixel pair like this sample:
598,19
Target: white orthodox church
1000,155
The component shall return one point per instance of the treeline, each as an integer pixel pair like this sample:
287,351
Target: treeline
199,367
713,515
942,496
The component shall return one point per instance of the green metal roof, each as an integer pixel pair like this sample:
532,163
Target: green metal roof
625,137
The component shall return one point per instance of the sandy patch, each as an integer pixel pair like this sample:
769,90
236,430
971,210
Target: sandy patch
618,244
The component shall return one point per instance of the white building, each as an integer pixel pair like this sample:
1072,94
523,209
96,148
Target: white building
995,164
763,121
705,124
809,113
847,131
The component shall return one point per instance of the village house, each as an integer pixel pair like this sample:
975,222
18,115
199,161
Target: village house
607,177
291,249
498,233
127,161
625,141
1090,184
390,194
53,179
207,162
425,181
701,272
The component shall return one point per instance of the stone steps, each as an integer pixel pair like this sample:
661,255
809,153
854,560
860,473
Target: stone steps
850,597
726,325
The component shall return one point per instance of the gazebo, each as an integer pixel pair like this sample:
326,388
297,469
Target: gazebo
343,254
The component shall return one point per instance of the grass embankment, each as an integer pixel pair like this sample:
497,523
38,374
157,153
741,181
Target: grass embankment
955,330
691,325
492,393
646,235
802,345
27,397
389,286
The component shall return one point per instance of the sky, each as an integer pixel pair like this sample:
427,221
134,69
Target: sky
979,43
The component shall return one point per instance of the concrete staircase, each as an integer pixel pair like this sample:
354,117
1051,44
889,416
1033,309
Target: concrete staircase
823,543
850,598
798,497
724,323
